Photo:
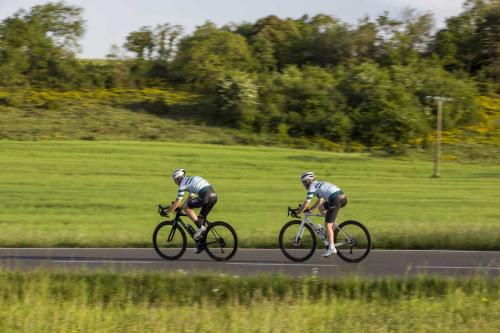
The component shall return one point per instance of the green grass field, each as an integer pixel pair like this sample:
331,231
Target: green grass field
148,302
66,193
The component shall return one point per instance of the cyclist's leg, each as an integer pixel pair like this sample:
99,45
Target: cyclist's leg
331,214
322,208
209,201
193,203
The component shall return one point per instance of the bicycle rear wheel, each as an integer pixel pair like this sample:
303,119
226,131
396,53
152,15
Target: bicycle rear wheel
352,241
297,249
220,241
169,242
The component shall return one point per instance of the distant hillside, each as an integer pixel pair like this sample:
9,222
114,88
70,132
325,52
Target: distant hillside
168,115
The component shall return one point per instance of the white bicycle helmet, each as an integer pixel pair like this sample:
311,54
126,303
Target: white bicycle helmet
308,176
179,173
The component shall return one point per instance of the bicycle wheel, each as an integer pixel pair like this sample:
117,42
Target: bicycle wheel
352,241
297,250
170,243
220,241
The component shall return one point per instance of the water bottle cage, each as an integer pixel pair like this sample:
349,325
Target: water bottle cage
321,232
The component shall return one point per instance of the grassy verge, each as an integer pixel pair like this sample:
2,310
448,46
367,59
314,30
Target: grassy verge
109,302
63,193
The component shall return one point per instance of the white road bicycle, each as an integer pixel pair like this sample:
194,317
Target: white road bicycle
298,239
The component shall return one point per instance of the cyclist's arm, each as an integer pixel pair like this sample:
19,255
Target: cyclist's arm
317,203
178,200
174,206
310,194
304,206
184,205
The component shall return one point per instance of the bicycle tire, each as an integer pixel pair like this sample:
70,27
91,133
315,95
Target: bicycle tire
218,234
366,245
283,246
157,245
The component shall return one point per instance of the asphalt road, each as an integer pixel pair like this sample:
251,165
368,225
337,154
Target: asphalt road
255,261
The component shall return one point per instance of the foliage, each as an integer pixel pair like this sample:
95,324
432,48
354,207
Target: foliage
205,56
36,46
314,78
383,112
309,104
471,40
237,100
114,96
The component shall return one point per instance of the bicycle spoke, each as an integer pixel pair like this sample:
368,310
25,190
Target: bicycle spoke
352,241
169,241
297,242
221,241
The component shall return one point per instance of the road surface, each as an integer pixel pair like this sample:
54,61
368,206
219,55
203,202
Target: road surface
255,261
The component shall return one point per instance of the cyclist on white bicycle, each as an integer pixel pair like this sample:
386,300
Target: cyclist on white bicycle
330,200
201,194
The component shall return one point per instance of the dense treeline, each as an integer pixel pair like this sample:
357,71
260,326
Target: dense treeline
315,77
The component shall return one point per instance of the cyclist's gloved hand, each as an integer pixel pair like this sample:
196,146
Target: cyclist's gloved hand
294,213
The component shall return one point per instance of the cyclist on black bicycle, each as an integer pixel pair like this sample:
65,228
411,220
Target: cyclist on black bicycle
201,194
330,200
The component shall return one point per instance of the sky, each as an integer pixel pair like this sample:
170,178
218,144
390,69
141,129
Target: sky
109,21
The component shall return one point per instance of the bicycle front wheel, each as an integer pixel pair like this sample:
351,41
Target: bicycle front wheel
297,245
352,241
220,241
169,242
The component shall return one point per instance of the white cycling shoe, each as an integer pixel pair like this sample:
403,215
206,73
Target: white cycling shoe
199,232
331,250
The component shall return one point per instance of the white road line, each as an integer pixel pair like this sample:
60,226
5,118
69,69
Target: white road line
103,261
429,251
458,267
279,264
242,249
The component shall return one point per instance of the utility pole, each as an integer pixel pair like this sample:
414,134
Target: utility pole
439,121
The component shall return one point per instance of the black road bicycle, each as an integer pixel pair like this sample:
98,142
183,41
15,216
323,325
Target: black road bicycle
298,241
170,241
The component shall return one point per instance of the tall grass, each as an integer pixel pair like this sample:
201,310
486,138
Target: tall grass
144,302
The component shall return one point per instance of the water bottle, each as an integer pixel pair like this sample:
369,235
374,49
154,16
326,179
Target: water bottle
321,232
190,229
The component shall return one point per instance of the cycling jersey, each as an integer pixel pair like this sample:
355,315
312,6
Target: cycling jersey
322,190
193,184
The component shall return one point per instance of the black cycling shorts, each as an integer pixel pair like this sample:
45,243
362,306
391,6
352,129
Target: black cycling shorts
333,206
206,201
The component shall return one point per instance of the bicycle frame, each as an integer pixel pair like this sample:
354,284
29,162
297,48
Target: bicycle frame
307,220
178,220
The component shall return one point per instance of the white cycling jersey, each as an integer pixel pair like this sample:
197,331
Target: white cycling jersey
191,184
321,189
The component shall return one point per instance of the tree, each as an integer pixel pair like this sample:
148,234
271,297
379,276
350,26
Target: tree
364,40
278,37
141,42
237,99
37,47
382,111
471,40
209,54
307,102
331,41
403,41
